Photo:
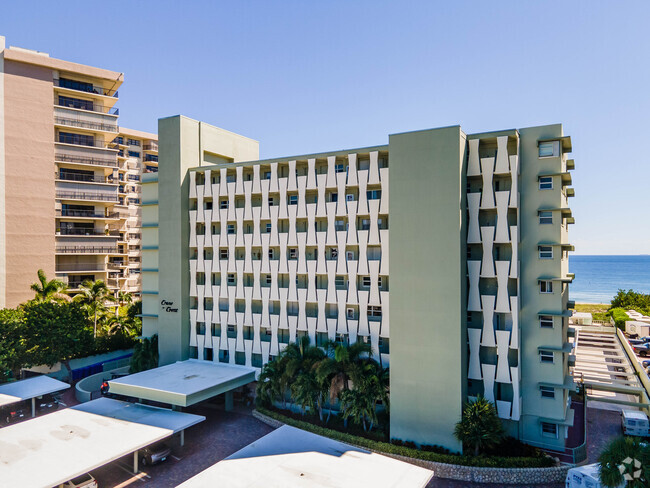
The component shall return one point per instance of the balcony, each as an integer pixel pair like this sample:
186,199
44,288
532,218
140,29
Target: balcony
81,140
85,124
86,250
66,158
151,158
83,178
85,87
88,105
72,231
86,267
84,214
84,195
151,146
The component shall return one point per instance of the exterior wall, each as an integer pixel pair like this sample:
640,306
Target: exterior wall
3,247
29,180
428,352
183,143
533,337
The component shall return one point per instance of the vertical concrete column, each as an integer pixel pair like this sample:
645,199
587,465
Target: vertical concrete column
135,462
33,407
229,401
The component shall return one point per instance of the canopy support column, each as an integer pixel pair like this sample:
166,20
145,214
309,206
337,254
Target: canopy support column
182,437
135,462
229,401
33,407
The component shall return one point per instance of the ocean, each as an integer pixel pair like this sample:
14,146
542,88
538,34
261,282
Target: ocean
598,278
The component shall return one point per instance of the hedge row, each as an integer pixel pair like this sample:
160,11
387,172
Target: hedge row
478,461
619,316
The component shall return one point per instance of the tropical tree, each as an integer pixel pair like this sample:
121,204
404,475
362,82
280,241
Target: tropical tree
270,386
49,290
12,344
94,295
480,426
145,355
124,298
625,456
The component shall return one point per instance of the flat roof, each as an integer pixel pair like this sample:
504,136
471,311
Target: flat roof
183,383
17,391
293,457
52,449
141,414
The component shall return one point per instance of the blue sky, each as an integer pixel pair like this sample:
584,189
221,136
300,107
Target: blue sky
308,76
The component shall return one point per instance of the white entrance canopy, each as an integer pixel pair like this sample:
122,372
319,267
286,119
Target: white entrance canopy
293,457
49,450
183,383
37,386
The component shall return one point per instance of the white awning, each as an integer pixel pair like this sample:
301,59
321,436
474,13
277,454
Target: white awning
17,391
49,450
293,457
183,383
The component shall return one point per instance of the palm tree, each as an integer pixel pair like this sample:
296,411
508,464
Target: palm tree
480,426
632,455
48,291
124,298
94,295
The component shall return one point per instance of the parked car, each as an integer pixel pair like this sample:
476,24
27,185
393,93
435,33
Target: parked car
634,342
10,414
641,349
156,453
46,403
646,363
83,481
645,339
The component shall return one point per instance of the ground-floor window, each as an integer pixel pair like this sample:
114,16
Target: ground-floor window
549,430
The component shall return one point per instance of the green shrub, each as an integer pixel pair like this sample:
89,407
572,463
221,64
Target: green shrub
619,316
401,450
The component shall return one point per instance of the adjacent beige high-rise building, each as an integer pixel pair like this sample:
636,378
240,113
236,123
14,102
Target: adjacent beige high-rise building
69,176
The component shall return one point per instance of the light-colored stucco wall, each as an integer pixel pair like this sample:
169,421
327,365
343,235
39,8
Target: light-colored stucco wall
428,344
29,177
3,258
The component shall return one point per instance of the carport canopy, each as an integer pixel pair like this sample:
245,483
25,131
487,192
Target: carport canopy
293,457
52,449
37,386
183,383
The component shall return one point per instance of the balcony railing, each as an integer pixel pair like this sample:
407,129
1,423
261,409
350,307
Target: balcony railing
151,146
83,195
65,267
85,87
71,231
150,169
86,214
86,250
87,105
151,158
83,178
85,124
81,141
66,158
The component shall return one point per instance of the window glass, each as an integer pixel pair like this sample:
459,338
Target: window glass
545,217
546,321
546,356
547,391
549,149
545,252
545,286
545,182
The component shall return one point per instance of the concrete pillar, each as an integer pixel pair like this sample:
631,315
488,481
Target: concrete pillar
135,462
229,401
33,407
182,438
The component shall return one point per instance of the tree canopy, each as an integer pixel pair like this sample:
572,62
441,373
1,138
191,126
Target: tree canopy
479,427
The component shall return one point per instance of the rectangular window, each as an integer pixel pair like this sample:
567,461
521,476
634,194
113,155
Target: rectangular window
231,279
269,279
339,280
349,256
546,321
365,281
133,142
223,253
271,203
373,194
365,224
549,149
374,311
340,168
549,430
379,281
545,286
349,197
231,228
334,197
267,175
349,313
545,252
546,357
134,154
547,391
545,182
545,217
268,228
223,204
293,199
339,225
293,253
271,254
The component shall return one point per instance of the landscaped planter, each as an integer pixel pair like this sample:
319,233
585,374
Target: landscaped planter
525,476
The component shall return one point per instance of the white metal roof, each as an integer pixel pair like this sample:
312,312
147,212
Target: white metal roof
17,391
141,414
183,383
293,457
49,450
